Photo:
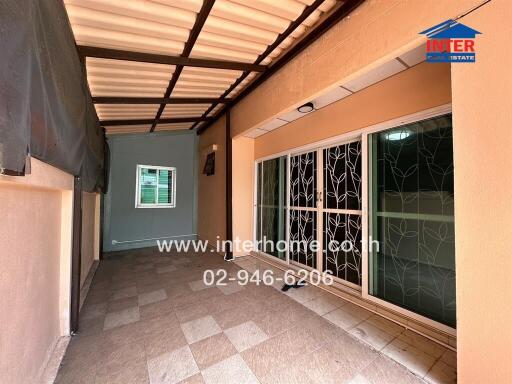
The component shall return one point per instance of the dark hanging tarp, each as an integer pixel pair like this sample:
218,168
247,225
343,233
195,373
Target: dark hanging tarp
45,106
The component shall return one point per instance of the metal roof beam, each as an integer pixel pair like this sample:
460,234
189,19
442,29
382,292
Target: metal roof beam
118,54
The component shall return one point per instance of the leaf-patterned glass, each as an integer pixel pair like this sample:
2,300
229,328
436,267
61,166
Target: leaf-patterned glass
303,180
412,218
341,225
303,169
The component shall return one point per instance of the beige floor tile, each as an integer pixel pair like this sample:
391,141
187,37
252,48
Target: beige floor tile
286,375
166,269
441,373
126,316
199,285
357,311
245,335
342,319
230,287
192,311
386,325
200,329
233,317
131,374
196,379
122,293
411,357
303,294
168,339
232,370
278,351
121,358
152,297
160,308
93,311
119,305
323,304
158,324
450,358
345,355
212,350
115,337
385,371
281,319
172,367
371,335
302,347
422,343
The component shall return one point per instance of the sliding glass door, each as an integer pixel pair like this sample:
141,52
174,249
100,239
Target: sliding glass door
411,217
341,208
271,206
380,208
303,208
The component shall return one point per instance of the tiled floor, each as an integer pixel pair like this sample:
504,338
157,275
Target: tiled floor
149,318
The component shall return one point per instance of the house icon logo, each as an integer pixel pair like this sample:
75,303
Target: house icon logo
450,42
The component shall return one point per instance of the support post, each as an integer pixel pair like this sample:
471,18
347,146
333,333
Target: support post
229,186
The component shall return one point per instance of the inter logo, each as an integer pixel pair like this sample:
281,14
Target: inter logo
450,42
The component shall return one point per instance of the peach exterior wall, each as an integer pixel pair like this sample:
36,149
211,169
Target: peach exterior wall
416,89
211,205
243,190
375,32
482,115
31,281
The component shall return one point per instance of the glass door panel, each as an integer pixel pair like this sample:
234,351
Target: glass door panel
303,215
271,206
411,217
342,224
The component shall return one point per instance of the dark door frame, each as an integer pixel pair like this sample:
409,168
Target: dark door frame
76,255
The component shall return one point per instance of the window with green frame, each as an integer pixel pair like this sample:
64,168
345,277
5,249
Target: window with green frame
156,187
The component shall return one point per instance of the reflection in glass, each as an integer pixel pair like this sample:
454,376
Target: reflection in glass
271,206
411,189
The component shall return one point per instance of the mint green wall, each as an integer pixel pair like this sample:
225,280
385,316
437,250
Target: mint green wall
132,227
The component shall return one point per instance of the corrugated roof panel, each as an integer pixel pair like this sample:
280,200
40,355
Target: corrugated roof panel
173,126
128,65
111,21
236,30
220,75
145,10
119,107
130,88
184,92
220,41
252,16
210,52
128,81
122,93
200,85
104,38
288,9
185,110
191,5
127,129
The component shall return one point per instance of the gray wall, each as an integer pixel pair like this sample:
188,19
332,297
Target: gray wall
129,226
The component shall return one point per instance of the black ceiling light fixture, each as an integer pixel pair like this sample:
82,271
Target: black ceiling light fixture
306,108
